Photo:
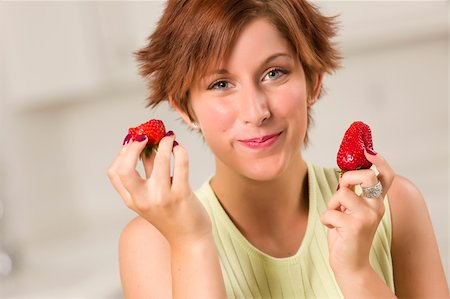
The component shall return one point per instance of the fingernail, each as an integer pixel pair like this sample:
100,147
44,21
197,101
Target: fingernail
371,151
141,138
338,186
175,143
170,133
127,139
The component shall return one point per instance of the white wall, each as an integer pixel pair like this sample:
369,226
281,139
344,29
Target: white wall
69,90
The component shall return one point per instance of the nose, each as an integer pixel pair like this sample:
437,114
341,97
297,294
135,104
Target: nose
254,107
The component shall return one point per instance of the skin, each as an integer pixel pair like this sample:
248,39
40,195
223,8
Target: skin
168,250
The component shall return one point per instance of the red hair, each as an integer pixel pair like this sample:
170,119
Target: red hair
195,35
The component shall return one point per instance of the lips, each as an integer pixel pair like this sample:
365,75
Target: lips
260,142
260,139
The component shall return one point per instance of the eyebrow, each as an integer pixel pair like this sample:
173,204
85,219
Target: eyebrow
275,56
266,61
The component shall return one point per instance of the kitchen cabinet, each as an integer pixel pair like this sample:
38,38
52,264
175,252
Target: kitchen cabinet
60,52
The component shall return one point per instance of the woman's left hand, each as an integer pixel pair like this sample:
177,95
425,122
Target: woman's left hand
353,220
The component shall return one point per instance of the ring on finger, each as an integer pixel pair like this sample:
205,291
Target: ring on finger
374,191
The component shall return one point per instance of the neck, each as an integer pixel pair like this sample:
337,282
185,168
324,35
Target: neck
249,202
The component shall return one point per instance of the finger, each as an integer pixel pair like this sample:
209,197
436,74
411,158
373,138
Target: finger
345,198
112,170
148,162
126,141
335,219
386,173
363,177
118,186
161,166
127,162
181,168
116,182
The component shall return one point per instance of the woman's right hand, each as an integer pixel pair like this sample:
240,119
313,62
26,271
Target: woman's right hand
166,202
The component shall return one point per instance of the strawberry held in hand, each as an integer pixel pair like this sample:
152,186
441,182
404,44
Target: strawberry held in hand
154,130
357,138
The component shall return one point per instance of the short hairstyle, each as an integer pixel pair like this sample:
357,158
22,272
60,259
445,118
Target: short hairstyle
195,35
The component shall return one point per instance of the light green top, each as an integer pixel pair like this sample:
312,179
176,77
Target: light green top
250,273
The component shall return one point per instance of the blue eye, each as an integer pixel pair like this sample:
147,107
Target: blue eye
219,85
274,74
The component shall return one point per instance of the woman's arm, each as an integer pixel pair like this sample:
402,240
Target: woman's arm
418,271
150,269
144,261
169,251
353,220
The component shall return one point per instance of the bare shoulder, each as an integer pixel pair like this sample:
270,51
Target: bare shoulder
405,197
410,216
144,231
418,270
144,259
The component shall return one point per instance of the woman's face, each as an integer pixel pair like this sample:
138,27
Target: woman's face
253,110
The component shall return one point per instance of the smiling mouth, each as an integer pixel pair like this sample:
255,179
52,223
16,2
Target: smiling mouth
260,139
261,142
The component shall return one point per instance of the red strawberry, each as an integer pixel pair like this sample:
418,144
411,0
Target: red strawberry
351,152
154,130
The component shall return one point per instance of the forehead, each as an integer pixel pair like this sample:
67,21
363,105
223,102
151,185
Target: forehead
257,40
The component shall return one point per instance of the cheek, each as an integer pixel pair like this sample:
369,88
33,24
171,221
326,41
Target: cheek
291,102
214,118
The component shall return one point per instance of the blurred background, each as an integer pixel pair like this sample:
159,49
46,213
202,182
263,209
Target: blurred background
69,90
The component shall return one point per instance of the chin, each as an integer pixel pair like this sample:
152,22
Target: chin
264,170
261,177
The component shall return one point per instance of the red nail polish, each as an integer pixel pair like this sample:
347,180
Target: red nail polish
371,151
170,133
127,139
175,143
338,186
141,138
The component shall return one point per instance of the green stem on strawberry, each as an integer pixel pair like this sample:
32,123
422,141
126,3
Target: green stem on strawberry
148,150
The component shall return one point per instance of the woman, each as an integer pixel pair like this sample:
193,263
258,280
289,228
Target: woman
267,224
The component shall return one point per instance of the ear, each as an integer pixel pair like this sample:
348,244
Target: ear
174,104
316,90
